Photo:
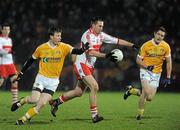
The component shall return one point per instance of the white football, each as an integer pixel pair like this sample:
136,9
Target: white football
118,53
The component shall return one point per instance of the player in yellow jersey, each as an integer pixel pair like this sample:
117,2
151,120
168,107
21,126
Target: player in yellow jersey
150,59
51,57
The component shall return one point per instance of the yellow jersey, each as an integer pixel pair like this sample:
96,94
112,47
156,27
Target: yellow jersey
51,58
153,54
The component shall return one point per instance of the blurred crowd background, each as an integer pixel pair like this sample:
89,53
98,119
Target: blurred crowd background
132,20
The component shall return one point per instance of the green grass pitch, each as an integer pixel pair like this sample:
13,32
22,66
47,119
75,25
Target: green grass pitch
163,113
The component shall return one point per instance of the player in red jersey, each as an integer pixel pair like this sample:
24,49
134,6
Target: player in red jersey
7,67
84,67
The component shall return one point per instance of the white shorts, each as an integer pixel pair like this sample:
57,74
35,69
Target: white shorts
153,78
43,83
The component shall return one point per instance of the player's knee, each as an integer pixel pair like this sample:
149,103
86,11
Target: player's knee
78,93
14,85
149,98
1,81
95,87
13,79
33,100
42,104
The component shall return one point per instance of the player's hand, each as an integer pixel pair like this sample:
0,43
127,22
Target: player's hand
18,77
111,57
135,47
166,82
85,46
150,68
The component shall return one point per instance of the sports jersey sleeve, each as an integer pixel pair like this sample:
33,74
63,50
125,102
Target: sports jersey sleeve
36,53
168,51
142,51
86,37
109,39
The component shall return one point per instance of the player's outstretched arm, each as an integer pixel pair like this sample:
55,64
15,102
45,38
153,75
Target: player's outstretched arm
26,65
126,43
98,54
81,50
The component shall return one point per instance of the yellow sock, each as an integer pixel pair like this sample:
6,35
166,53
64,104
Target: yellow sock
134,91
29,114
140,112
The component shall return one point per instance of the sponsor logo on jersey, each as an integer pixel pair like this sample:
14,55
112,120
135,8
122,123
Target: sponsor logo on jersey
51,59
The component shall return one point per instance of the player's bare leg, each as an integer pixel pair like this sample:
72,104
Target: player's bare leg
1,81
141,103
28,99
151,93
142,99
92,84
77,92
43,100
148,93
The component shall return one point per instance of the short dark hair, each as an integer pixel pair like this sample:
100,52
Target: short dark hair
52,30
5,25
95,19
161,28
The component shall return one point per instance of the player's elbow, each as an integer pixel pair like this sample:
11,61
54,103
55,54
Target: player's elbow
90,53
73,58
137,61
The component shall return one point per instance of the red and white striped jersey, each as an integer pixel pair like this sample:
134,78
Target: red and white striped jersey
5,50
95,42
